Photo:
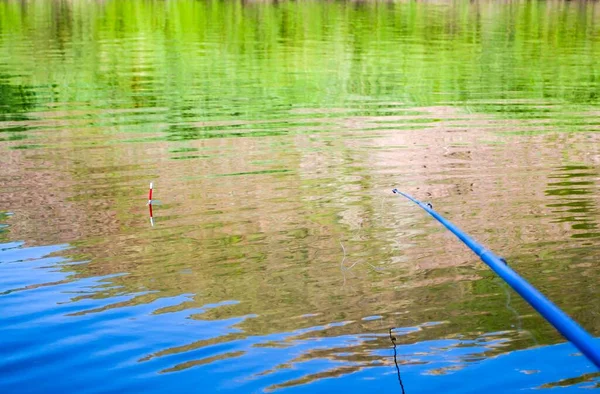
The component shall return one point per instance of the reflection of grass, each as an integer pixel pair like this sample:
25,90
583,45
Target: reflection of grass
396,127
16,129
588,377
586,235
15,137
182,150
3,227
545,130
245,173
191,157
134,140
574,180
200,135
302,72
32,146
252,173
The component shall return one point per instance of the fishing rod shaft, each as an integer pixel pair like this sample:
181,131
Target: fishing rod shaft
572,331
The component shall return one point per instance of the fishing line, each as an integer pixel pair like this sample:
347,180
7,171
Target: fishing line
342,267
393,339
509,307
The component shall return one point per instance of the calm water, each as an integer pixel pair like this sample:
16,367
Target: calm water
274,132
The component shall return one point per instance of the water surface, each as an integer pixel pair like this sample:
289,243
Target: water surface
279,259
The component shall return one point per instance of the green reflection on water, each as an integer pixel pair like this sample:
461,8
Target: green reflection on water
226,60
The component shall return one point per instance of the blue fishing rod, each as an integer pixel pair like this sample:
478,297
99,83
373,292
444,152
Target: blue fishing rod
572,331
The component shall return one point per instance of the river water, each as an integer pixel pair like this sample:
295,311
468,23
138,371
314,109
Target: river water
277,258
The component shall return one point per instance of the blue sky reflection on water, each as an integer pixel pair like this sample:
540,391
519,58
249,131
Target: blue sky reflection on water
52,320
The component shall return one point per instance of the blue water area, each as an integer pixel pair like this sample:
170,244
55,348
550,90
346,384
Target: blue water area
63,333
